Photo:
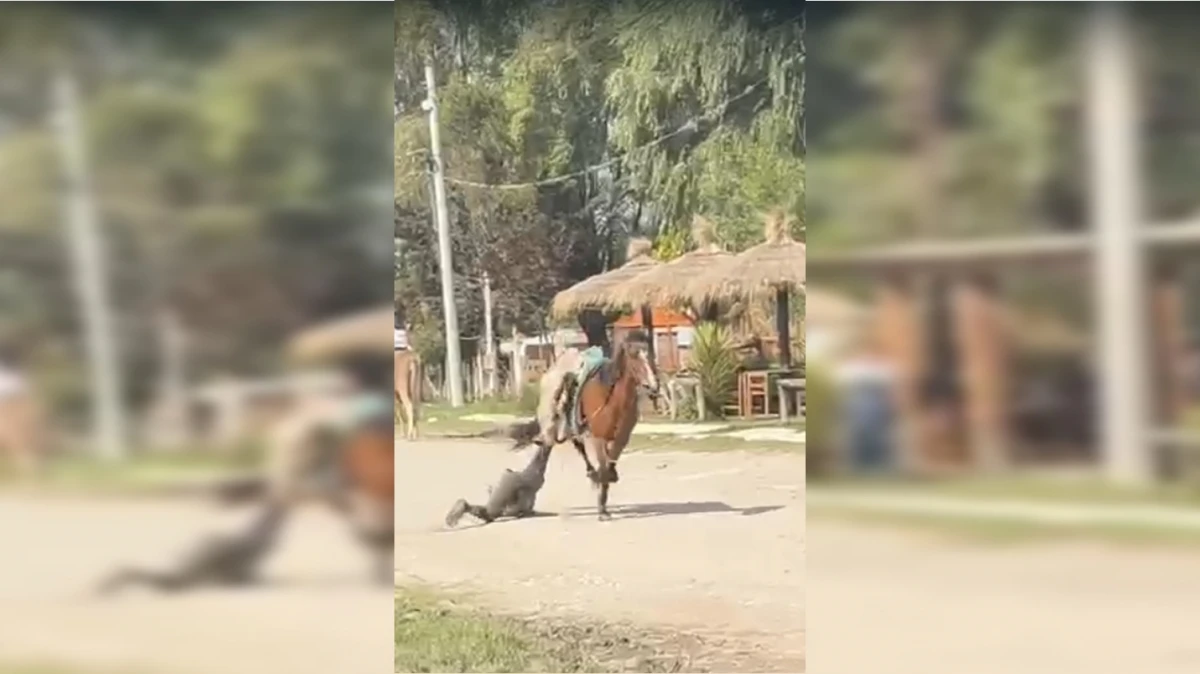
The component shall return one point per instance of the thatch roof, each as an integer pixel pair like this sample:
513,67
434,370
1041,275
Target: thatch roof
660,285
776,264
598,292
369,331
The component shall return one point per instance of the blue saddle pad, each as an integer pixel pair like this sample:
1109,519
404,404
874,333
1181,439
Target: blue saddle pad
592,359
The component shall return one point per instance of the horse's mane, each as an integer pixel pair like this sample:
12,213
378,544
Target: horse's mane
611,370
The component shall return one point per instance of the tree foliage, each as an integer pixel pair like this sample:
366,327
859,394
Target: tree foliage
627,132
237,168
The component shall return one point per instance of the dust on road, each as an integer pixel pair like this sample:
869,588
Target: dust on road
908,603
707,543
317,613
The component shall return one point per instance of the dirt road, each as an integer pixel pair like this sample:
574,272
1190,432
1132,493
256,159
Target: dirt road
906,603
707,543
316,615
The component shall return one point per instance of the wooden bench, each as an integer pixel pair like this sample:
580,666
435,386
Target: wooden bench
795,389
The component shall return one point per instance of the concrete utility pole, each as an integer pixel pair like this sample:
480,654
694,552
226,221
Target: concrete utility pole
453,355
1117,217
489,343
91,277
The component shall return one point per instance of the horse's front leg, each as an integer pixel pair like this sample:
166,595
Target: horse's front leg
591,470
602,502
600,477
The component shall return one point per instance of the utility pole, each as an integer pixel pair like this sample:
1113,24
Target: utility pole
453,355
173,378
1115,161
489,343
90,275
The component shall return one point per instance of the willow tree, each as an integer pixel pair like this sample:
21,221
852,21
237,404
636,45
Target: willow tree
722,85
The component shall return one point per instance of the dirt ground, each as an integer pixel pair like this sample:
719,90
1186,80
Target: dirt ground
908,603
317,614
707,544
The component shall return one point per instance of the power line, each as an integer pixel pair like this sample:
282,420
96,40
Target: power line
689,126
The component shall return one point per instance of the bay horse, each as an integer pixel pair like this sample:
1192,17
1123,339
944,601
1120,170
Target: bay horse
407,388
325,438
608,409
367,459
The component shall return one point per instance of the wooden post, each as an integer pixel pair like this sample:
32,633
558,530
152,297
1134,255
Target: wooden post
783,325
979,329
518,363
648,324
1170,333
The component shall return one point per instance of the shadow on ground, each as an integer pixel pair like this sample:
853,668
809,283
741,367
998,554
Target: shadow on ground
636,510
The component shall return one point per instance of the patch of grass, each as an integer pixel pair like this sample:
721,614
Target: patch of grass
438,633
143,470
443,412
435,634
714,443
1009,531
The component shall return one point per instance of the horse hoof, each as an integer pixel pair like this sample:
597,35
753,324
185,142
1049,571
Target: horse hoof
604,516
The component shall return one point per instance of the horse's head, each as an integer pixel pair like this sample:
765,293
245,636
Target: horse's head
634,359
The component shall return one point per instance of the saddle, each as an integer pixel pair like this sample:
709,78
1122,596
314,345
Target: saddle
591,364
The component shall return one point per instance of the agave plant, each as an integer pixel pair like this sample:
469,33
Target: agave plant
716,363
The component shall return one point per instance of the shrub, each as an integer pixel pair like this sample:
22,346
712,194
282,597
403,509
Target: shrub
528,402
716,363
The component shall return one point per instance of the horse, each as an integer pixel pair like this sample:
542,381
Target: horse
367,466
608,408
325,438
407,387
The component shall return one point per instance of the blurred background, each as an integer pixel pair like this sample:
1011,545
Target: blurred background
184,188
232,186
1002,211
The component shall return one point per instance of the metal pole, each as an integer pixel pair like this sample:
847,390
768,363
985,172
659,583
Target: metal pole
453,355
1116,213
91,276
489,341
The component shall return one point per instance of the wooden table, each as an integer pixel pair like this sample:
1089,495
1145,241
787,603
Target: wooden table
791,387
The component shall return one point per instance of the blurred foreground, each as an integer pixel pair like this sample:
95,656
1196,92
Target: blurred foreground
1002,219
314,613
925,605
183,189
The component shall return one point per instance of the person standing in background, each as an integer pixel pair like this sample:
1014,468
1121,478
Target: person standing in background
866,379
20,424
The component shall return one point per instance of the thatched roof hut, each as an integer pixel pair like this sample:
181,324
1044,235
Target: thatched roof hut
775,268
777,264
365,332
661,285
601,291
